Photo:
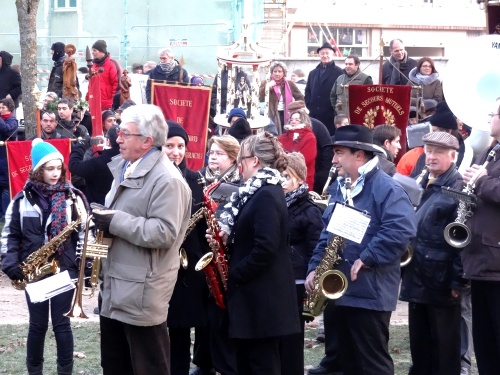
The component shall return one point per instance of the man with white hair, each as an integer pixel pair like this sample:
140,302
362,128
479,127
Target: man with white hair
149,209
168,69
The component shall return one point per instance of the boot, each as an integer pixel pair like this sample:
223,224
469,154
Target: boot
66,369
35,370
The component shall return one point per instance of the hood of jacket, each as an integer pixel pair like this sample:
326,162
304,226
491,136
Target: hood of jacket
6,58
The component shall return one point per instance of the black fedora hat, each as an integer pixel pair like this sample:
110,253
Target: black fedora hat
356,136
326,45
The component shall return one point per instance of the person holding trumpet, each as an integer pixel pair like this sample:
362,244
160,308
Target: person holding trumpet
432,281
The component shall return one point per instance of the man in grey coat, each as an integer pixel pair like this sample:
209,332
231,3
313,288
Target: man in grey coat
149,209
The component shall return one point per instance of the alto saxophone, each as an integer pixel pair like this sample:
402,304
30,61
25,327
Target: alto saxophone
37,265
214,263
193,221
328,283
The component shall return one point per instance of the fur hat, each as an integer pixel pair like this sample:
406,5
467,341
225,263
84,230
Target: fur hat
43,152
240,129
238,112
297,162
101,46
443,117
176,130
297,105
58,49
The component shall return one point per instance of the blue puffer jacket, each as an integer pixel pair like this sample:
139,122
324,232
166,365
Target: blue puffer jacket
391,228
8,128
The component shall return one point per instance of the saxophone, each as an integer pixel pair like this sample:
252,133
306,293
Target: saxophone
214,263
37,265
328,283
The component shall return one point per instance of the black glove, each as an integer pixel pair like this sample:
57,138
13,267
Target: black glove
102,216
15,273
85,142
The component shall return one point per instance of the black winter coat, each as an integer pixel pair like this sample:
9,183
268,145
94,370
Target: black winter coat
187,306
435,268
318,88
177,74
94,171
10,80
324,155
8,130
304,228
56,80
261,293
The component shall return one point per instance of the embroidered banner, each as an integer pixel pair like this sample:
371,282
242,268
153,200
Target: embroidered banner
372,105
189,106
19,161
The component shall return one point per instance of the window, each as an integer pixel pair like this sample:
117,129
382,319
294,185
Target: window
65,4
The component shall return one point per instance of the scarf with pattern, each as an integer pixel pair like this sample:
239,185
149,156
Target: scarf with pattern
292,196
230,175
168,67
265,176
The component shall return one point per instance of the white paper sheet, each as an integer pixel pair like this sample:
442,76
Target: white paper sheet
49,287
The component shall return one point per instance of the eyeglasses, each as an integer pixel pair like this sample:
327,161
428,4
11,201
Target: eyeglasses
216,153
245,157
491,115
125,135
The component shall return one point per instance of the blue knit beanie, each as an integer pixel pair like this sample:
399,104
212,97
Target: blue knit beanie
42,152
238,112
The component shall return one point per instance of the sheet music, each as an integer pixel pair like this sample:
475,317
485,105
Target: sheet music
349,223
51,286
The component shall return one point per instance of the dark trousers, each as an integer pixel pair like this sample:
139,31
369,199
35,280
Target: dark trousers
221,346
258,356
434,339
134,350
292,346
39,323
486,325
365,338
180,350
331,360
202,356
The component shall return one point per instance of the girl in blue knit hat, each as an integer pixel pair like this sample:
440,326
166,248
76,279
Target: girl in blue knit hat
47,204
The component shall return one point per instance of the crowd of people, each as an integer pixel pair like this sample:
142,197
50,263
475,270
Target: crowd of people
233,249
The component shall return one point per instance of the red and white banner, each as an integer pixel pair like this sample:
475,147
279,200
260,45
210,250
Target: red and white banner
189,106
19,161
372,105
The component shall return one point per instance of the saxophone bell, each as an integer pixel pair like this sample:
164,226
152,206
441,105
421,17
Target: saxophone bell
183,258
406,257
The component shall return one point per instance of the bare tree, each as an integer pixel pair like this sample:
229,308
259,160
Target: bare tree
26,15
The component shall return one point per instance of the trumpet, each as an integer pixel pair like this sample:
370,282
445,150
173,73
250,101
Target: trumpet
457,234
96,250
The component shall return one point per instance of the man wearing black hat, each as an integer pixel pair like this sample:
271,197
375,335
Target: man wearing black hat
319,85
56,74
109,77
10,79
362,314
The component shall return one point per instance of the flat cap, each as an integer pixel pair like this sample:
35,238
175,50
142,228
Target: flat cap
441,139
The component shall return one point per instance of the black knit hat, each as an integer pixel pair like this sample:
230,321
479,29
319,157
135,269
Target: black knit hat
101,46
443,117
58,49
240,129
176,130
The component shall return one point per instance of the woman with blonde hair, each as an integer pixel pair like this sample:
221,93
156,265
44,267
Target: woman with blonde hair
222,154
281,93
299,137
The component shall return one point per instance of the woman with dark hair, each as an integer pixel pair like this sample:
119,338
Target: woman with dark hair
426,75
299,137
261,296
281,93
46,206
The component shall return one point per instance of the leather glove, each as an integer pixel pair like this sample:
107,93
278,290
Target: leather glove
15,273
102,216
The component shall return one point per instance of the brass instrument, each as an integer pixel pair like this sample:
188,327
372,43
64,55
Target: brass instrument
328,283
96,250
408,254
322,200
214,263
37,265
197,216
457,234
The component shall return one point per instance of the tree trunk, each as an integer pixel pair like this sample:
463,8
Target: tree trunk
26,15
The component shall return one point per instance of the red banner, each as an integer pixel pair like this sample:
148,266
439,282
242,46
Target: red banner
189,106
19,161
95,107
372,105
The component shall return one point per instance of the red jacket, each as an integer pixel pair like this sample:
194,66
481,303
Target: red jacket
108,80
305,143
